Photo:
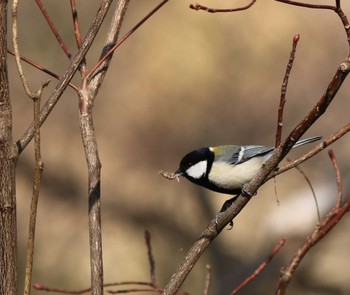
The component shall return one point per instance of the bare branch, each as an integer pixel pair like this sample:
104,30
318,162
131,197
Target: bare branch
307,5
97,74
296,39
53,29
39,167
260,268
150,258
338,178
312,191
207,280
214,10
50,73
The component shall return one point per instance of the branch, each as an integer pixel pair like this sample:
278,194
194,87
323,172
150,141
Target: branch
260,268
296,39
53,29
214,10
39,167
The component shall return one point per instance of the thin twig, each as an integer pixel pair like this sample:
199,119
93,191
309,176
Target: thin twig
16,49
150,258
96,80
53,29
307,5
207,280
52,74
260,268
338,177
77,33
312,191
214,10
296,39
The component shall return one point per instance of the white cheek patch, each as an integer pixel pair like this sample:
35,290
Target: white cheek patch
197,170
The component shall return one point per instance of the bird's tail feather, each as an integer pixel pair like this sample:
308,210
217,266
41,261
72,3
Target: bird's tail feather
307,140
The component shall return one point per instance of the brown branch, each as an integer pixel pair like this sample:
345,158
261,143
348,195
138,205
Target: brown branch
296,39
150,258
207,280
39,167
55,96
50,73
101,68
260,268
312,191
320,231
307,5
77,34
53,29
214,10
338,178
94,188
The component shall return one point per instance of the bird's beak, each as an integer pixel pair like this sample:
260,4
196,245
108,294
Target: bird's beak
178,173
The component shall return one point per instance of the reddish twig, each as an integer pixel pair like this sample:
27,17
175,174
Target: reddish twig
75,23
307,5
214,10
150,258
320,231
126,36
52,74
260,268
296,39
53,29
77,33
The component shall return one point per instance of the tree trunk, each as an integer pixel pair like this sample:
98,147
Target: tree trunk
8,157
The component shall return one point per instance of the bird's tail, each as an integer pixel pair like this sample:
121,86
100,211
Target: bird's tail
307,140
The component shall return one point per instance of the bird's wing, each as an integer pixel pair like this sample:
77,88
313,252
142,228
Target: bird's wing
250,151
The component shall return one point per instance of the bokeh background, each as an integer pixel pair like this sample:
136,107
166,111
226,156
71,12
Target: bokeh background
184,80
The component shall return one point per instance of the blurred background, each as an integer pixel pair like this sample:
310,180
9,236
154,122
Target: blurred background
186,79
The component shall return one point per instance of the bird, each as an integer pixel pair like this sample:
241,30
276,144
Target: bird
227,168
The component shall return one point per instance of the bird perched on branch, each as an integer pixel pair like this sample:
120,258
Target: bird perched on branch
226,168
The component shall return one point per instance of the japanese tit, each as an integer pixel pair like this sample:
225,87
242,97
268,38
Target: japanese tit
227,168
